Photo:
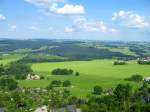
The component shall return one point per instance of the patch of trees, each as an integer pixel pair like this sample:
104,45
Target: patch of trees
124,99
18,70
136,78
138,49
120,63
63,71
8,83
58,83
97,90
30,59
84,52
142,62
127,58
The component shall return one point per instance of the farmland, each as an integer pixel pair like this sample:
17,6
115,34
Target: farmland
96,72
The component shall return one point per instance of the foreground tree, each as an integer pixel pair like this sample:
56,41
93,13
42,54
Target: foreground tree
8,83
19,70
123,93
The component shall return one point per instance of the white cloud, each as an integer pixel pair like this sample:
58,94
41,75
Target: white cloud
92,25
130,19
2,17
52,6
68,30
33,28
70,9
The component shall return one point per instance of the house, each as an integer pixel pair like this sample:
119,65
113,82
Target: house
2,110
68,108
147,79
32,77
41,109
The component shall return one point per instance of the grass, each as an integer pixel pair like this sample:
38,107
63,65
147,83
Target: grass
97,72
124,50
7,58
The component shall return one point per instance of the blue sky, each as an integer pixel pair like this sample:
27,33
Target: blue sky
76,19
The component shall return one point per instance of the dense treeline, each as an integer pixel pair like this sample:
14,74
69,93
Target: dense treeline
31,59
81,52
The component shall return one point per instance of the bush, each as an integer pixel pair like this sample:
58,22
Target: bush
66,83
56,83
42,77
97,90
120,63
77,74
136,78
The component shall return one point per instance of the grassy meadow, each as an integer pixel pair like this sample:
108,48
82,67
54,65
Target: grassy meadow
7,58
96,72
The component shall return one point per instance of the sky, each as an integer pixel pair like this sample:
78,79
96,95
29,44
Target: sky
125,20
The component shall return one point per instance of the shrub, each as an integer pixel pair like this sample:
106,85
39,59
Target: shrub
66,83
77,74
97,90
56,83
120,63
42,77
136,78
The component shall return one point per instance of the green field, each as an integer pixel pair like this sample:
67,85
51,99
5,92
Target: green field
7,58
97,72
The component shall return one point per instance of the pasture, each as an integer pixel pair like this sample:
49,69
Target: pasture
96,72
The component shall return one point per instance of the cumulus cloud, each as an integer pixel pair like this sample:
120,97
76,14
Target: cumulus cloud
68,30
130,19
69,9
2,17
52,6
92,25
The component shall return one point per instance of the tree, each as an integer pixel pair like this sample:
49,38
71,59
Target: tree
66,83
136,78
77,74
8,83
56,83
123,93
2,70
19,70
97,90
